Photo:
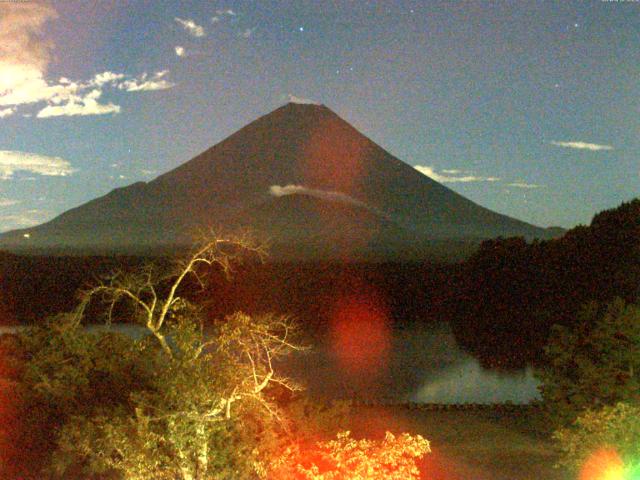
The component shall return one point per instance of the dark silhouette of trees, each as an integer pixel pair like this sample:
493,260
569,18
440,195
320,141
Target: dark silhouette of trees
510,292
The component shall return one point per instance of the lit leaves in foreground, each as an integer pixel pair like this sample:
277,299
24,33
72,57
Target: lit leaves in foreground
173,399
345,458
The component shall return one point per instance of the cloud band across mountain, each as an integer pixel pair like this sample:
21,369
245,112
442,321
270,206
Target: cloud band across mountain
279,191
24,57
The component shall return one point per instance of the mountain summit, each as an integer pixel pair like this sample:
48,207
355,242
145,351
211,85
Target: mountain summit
299,176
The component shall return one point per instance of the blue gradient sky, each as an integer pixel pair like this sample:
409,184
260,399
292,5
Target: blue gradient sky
531,109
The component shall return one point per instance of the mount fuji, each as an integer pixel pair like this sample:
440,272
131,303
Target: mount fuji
300,177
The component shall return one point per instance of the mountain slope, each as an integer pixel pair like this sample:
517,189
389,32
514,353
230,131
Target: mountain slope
299,148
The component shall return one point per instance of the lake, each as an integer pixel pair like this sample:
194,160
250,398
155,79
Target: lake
415,363
423,364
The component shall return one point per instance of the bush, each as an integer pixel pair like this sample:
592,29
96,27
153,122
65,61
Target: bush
608,438
594,364
172,402
393,458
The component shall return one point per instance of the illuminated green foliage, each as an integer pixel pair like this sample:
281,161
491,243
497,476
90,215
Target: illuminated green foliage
167,400
128,410
592,391
172,400
614,427
594,364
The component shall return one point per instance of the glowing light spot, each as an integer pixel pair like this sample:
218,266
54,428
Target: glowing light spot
27,235
604,464
335,158
632,472
360,335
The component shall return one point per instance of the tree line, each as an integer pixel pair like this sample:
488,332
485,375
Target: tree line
505,298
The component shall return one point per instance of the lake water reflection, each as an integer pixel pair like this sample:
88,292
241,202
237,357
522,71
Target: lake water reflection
423,364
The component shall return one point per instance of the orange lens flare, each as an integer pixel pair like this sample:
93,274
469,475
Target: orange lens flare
360,335
334,156
604,464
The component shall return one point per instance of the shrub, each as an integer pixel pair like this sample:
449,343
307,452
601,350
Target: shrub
345,458
608,438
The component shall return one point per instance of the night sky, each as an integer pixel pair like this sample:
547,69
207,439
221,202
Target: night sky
531,109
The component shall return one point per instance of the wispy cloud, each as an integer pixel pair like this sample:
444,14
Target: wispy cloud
156,82
220,14
24,55
7,202
27,218
594,147
291,189
180,51
247,33
191,27
80,105
301,100
101,79
453,176
21,24
524,185
10,222
14,161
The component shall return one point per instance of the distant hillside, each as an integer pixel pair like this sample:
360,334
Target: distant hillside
510,292
360,192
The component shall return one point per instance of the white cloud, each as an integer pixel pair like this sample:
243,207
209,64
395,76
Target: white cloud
13,161
191,27
24,57
448,178
524,185
27,218
278,191
180,51
147,172
10,222
102,78
594,147
147,84
28,86
79,105
221,13
247,33
306,101
7,202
